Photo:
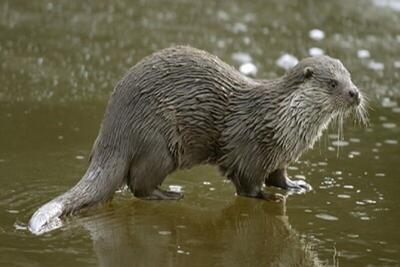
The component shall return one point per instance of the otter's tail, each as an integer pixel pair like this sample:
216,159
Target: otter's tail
98,185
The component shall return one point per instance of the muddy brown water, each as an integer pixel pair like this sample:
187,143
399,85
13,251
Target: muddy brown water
58,64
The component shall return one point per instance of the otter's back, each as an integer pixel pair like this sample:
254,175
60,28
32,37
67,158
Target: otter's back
180,94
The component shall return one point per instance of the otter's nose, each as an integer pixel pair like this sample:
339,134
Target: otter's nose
355,96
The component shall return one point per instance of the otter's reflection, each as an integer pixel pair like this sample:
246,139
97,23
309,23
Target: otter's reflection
244,232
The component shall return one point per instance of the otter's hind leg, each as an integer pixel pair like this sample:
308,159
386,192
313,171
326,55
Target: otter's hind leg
148,172
280,179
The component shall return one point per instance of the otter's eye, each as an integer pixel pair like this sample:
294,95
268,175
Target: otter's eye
333,84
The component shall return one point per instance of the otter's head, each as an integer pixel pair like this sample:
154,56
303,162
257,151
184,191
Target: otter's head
326,84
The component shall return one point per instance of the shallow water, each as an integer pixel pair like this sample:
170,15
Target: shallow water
58,64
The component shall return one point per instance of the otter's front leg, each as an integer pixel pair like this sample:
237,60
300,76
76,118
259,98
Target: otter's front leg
280,179
248,188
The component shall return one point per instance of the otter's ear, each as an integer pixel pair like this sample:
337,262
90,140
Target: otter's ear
308,72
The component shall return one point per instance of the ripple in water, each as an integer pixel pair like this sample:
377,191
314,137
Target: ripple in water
326,217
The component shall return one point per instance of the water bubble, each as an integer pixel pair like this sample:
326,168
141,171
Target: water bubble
175,188
396,64
79,157
222,15
347,186
248,69
241,57
391,142
388,103
362,53
298,176
377,66
287,61
393,4
20,226
49,6
239,27
326,217
389,125
353,235
340,143
355,153
343,196
164,232
379,174
316,34
315,51
40,61
13,211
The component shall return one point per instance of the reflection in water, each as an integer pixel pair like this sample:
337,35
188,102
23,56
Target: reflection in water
245,232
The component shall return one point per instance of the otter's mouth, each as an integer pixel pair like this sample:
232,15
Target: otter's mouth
356,105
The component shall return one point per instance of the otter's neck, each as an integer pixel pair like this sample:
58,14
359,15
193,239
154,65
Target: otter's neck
295,118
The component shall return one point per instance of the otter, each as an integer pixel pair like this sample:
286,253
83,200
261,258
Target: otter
181,106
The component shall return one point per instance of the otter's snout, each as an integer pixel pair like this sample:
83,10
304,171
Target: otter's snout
353,96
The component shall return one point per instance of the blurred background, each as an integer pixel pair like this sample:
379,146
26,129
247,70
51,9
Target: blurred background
59,61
